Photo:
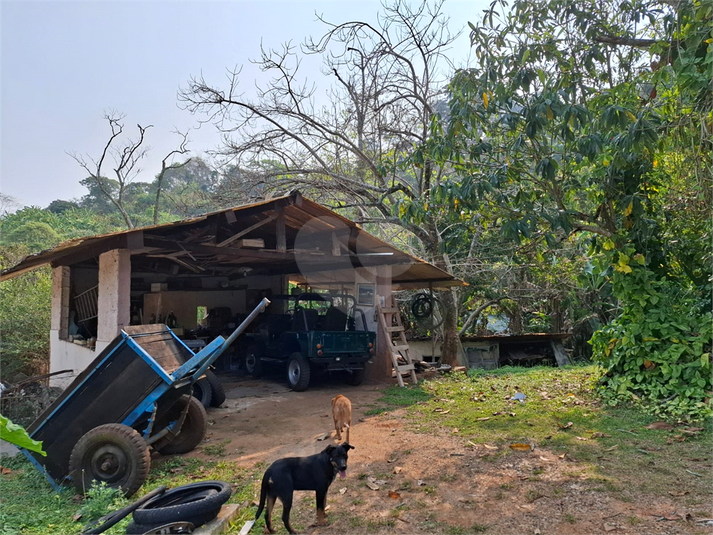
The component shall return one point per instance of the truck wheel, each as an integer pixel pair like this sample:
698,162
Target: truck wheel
196,503
192,431
298,372
253,363
113,453
203,391
356,377
217,387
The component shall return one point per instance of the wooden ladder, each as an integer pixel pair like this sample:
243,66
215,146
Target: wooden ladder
398,347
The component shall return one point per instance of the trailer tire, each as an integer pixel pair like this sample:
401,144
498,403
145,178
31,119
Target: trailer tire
197,503
113,453
298,372
192,431
203,391
217,386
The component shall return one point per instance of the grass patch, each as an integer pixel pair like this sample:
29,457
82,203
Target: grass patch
396,397
29,506
216,450
561,413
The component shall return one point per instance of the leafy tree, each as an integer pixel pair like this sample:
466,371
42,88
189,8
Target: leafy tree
190,189
24,317
36,235
58,206
589,123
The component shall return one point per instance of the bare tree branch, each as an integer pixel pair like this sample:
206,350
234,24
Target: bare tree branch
182,149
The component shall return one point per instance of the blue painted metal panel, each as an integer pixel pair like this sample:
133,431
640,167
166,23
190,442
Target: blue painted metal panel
79,386
42,469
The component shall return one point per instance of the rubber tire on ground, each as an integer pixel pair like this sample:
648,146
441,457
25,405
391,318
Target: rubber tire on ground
203,391
356,377
193,429
132,528
253,363
298,372
217,386
114,453
197,503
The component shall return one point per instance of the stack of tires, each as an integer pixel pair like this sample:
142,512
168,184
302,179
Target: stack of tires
208,390
194,504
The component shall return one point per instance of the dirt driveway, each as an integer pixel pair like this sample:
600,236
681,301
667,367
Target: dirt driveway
404,481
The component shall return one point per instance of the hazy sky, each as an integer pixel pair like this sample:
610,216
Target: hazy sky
64,64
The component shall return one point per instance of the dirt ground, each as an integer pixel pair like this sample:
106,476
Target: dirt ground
401,481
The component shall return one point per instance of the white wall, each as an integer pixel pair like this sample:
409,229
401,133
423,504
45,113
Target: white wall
67,356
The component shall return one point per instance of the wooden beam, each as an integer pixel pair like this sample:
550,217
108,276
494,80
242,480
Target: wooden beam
336,245
280,231
245,231
135,240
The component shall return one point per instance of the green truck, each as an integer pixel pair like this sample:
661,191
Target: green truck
318,332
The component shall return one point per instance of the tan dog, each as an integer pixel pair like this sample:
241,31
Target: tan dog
342,413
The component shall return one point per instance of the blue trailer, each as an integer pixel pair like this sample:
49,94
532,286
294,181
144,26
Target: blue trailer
135,396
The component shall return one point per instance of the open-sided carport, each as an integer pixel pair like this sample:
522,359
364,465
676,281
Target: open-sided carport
223,262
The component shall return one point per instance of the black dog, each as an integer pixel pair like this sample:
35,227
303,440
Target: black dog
315,472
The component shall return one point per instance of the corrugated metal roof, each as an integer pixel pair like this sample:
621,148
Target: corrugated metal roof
320,243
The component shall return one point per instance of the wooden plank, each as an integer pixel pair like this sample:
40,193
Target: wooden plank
560,353
256,243
395,329
280,230
336,245
245,231
400,347
135,240
406,367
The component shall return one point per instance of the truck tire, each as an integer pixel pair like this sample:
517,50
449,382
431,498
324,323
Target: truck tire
192,431
217,387
203,391
113,453
197,503
253,363
298,372
356,377
132,528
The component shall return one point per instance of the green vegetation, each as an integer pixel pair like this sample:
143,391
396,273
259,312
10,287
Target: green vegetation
16,434
28,505
395,397
562,413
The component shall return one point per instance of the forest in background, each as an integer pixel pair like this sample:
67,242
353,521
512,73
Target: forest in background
566,176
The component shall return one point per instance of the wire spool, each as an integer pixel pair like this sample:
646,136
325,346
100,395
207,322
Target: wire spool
427,309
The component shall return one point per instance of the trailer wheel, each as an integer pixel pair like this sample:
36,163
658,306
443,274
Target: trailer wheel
113,453
203,391
253,363
298,372
193,429
197,503
217,386
356,377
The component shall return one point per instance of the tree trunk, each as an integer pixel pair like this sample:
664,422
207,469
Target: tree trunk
451,348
